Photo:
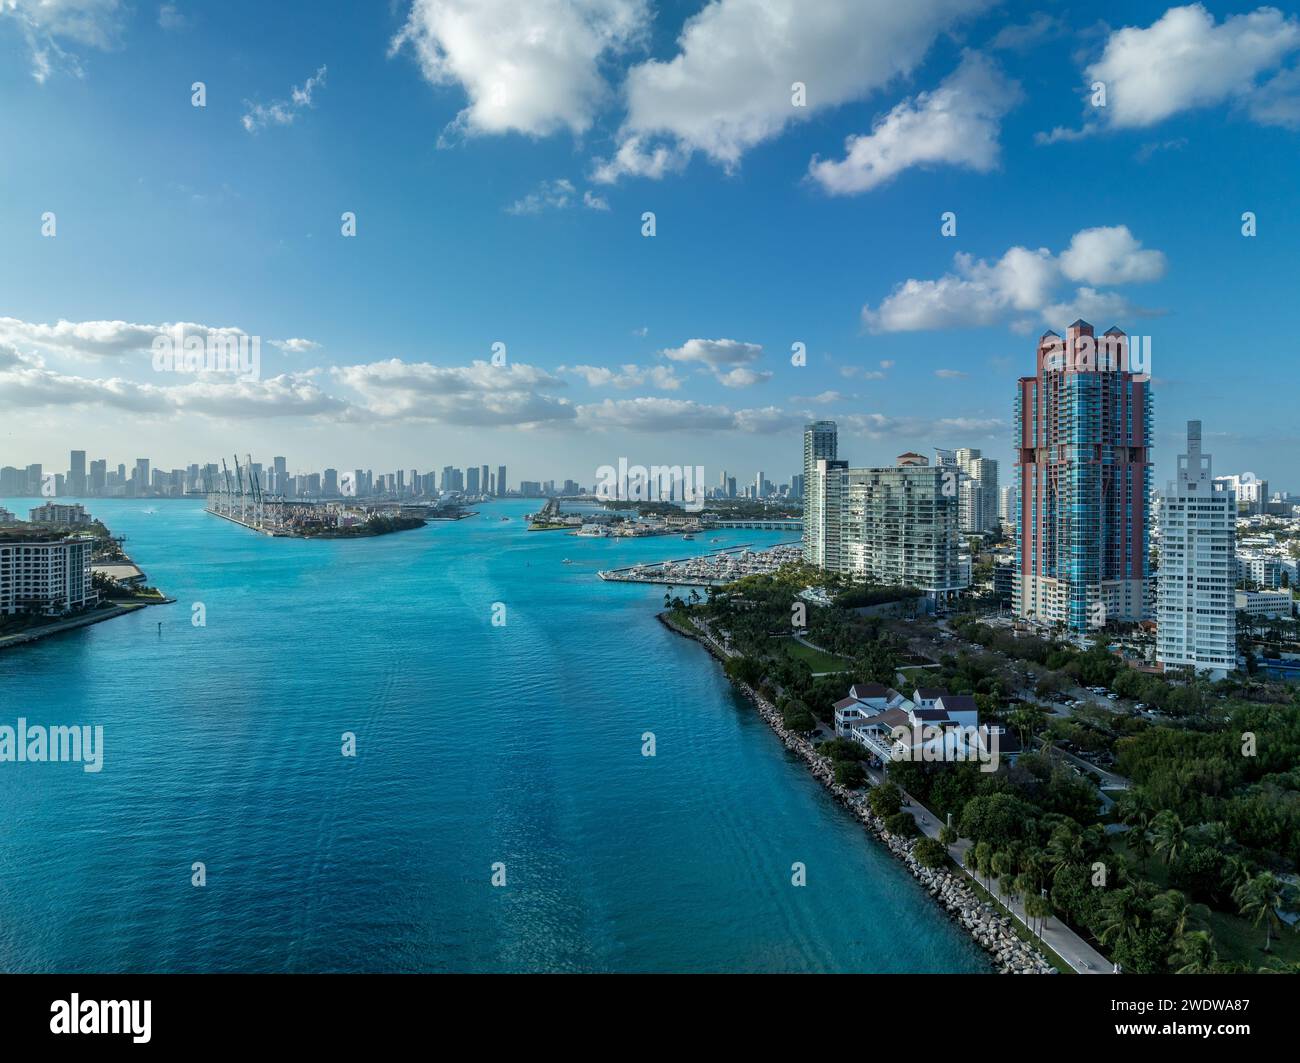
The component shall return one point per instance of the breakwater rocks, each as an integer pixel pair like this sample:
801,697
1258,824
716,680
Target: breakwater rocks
992,931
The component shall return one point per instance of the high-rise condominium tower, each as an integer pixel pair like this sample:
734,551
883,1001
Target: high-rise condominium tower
819,444
1195,587
1083,437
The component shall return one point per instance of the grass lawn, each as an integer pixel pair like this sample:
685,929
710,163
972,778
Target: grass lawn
817,660
681,621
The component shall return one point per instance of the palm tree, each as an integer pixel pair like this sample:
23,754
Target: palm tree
1037,908
1174,908
1169,834
1195,954
1001,865
1065,847
1135,812
1121,917
1258,900
982,860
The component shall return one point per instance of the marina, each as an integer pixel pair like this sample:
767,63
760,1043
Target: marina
708,570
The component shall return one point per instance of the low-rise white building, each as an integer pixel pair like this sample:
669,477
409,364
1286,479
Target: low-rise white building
49,577
1264,603
931,725
73,515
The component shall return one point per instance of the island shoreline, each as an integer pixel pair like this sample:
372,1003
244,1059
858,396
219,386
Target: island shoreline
1008,953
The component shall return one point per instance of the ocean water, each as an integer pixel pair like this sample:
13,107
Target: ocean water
476,745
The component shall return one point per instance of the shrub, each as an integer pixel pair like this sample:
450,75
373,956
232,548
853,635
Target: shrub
901,823
885,800
929,852
850,773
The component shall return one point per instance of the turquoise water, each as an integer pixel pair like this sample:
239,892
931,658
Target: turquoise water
519,744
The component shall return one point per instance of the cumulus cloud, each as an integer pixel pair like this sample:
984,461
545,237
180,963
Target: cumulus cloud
680,415
979,293
52,27
626,376
477,394
26,383
1110,255
283,112
728,360
1185,60
957,124
101,339
729,87
527,66
296,346
976,293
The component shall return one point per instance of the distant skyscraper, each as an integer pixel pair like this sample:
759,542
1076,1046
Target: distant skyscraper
98,476
471,480
77,473
1083,437
330,486
1195,587
280,469
141,476
501,480
483,480
820,443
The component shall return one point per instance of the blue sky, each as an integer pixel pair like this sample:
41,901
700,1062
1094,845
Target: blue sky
499,156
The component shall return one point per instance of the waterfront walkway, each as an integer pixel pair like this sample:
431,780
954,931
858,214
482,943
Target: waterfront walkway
1058,937
45,630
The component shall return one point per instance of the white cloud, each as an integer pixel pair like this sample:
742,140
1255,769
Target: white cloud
99,339
950,374
559,194
728,87
1022,281
1110,255
47,25
170,18
978,293
681,415
26,384
296,346
880,426
743,377
527,66
477,394
729,360
627,376
283,112
1185,60
715,353
553,195
957,124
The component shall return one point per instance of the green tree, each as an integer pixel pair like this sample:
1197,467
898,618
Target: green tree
1194,954
1169,835
929,852
1258,899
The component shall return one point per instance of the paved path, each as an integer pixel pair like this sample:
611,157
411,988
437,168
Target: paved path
1056,935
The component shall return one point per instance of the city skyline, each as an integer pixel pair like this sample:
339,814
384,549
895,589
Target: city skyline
499,283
